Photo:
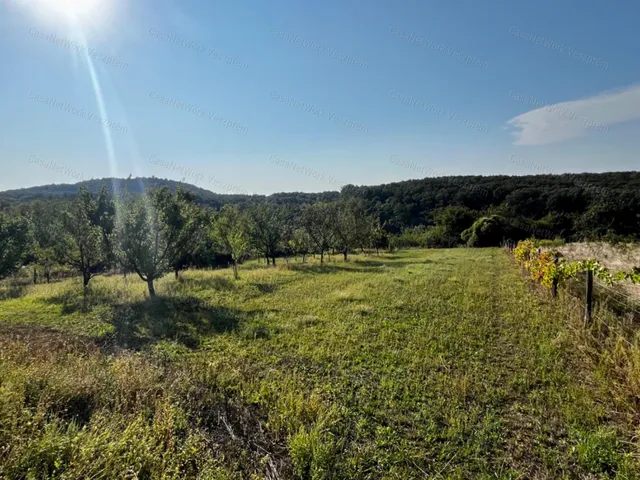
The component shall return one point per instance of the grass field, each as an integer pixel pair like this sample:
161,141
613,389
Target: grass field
418,364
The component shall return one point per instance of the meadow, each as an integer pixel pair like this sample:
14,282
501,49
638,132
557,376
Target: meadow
435,364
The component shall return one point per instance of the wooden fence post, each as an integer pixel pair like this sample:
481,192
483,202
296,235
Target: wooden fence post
554,286
589,299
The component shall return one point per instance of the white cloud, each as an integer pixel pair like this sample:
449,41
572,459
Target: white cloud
576,118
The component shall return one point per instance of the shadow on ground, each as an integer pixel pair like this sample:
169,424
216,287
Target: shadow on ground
13,290
185,320
369,266
208,283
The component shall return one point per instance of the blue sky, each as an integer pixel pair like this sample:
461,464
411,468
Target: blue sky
263,97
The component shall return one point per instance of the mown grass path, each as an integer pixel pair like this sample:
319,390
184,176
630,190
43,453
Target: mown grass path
419,364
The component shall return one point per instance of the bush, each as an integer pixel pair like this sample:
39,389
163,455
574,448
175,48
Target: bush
411,238
488,232
556,242
437,237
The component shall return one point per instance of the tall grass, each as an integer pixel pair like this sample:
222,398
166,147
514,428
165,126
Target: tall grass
438,364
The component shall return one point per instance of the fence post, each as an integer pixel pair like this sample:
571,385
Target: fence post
589,299
554,287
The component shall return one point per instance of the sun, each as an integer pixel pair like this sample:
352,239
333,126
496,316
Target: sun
81,13
75,8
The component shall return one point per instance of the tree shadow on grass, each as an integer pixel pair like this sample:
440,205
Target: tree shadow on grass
73,300
185,320
369,266
12,290
207,283
265,287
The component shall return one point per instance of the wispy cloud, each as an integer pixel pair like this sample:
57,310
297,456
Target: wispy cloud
576,118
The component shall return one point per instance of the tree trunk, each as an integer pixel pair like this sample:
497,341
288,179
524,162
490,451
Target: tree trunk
235,270
47,274
303,258
268,261
86,276
273,261
35,276
345,255
377,251
152,290
321,258
177,270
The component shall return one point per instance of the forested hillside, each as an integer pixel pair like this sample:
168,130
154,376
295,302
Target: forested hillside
589,204
139,184
571,206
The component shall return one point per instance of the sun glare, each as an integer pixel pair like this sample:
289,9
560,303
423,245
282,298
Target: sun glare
84,13
75,8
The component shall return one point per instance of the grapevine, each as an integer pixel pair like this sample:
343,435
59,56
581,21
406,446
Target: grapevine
547,267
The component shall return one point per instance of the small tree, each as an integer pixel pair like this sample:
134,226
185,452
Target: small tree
352,227
289,226
451,222
345,228
230,232
318,221
154,230
267,228
379,237
47,231
85,239
490,232
15,242
364,229
300,243
195,242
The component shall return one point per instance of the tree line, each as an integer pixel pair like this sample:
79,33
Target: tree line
169,226
160,231
571,206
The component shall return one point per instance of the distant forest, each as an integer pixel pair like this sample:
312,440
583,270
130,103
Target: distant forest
140,184
570,206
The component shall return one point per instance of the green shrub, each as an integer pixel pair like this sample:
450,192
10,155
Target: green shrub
599,452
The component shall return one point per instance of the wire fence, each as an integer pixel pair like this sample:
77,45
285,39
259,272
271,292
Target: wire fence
592,292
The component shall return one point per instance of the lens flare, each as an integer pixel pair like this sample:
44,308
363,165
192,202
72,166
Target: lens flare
84,13
73,8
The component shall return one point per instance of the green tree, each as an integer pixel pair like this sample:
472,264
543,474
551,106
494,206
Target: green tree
15,243
154,230
300,243
267,229
490,232
230,232
85,242
196,241
47,232
349,226
318,221
379,236
450,223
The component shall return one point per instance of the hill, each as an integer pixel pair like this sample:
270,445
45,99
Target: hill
591,205
139,184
